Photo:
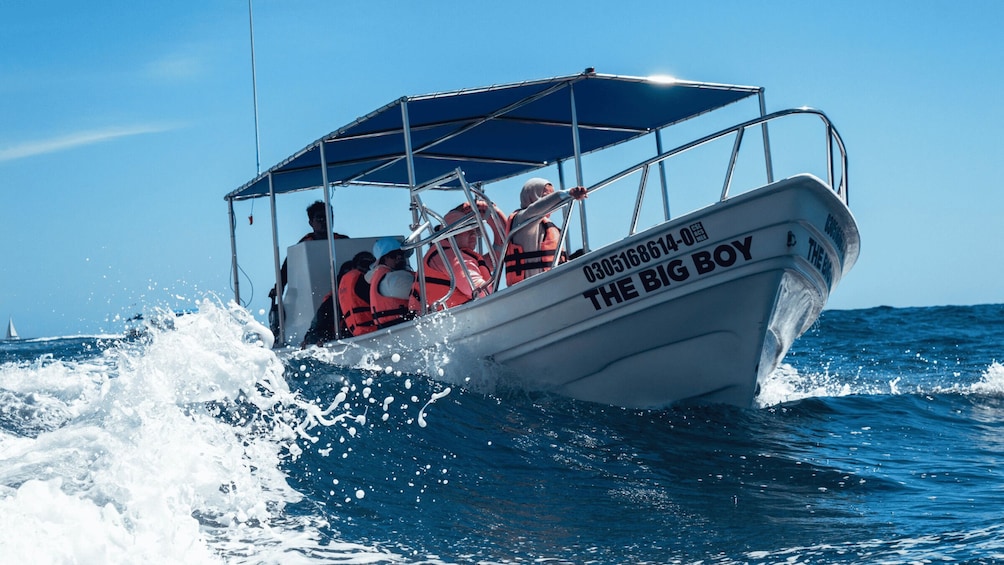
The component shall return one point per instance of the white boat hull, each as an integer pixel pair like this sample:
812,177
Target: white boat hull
699,308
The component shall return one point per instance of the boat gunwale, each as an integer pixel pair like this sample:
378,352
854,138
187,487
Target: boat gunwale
796,182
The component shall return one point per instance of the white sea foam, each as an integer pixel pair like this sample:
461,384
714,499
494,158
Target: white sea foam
786,384
421,413
991,383
428,352
145,457
940,547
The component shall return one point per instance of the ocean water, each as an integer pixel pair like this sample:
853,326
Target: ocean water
879,440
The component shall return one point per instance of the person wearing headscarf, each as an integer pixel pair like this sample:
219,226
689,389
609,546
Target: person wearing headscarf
532,248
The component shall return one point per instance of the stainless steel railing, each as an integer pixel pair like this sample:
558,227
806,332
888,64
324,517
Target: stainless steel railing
835,163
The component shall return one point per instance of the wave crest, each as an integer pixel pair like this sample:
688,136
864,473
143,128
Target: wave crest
165,449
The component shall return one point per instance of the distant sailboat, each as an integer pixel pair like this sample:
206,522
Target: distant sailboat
11,332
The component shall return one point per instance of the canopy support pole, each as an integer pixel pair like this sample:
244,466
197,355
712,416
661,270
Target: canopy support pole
233,251
662,175
566,212
280,339
578,168
766,138
566,217
409,156
331,240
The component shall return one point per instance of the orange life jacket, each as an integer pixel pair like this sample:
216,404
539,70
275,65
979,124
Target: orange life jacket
387,310
437,282
518,260
354,302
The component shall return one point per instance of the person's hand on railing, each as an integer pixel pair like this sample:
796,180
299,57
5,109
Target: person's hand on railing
482,207
578,192
496,221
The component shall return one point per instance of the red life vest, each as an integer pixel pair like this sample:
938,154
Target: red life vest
387,310
354,302
518,260
437,283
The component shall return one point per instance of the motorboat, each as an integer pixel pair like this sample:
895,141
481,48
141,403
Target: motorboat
698,305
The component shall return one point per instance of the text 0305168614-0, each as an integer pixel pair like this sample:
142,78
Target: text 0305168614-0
651,250
676,270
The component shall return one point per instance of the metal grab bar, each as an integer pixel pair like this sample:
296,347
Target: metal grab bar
831,137
472,220
473,194
738,130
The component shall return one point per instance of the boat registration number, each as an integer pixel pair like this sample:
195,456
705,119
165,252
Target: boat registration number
668,272
664,245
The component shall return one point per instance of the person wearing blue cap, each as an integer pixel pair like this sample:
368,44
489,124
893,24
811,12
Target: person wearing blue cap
390,283
353,301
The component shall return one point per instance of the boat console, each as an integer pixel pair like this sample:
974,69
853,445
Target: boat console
310,279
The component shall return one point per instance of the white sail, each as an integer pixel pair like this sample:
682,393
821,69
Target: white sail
11,332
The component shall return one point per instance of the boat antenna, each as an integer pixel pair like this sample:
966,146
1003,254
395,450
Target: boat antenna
254,96
254,92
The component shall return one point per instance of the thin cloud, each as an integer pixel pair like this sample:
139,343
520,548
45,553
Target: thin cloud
78,139
176,68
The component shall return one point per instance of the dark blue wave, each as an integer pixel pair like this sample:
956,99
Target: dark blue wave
892,454
521,477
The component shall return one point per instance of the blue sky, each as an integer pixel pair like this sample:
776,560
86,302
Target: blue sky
123,124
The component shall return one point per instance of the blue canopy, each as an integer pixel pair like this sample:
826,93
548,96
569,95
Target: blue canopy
493,133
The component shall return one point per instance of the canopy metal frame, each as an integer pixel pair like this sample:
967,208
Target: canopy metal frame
490,132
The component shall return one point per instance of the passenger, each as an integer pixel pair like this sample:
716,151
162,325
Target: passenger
531,250
322,327
317,217
472,271
354,296
390,283
496,220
